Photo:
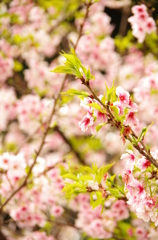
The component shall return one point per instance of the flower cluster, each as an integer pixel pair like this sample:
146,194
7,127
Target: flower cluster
97,113
8,108
126,102
99,56
95,224
29,206
6,68
32,112
141,23
32,34
37,235
91,116
140,179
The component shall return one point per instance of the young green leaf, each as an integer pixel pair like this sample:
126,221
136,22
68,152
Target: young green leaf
97,106
62,69
99,126
71,176
101,172
143,132
74,92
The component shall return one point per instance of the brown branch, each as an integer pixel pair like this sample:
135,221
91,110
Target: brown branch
42,173
35,159
64,18
76,153
141,149
24,183
28,138
2,237
83,23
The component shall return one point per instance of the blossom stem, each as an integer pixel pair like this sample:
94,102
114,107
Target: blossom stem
38,152
141,149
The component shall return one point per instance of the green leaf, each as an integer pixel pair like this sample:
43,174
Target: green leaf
17,66
75,92
71,176
87,73
122,230
99,126
47,227
98,201
11,147
121,189
88,169
110,180
62,69
91,197
97,106
101,172
134,141
103,98
105,169
115,192
111,93
143,132
115,110
123,43
95,167
85,177
70,188
17,39
72,65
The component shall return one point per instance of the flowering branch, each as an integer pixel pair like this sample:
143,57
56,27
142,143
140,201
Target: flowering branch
141,149
24,183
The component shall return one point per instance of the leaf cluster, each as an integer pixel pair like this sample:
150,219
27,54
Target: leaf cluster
95,181
72,65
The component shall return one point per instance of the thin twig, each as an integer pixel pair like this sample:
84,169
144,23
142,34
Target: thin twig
76,153
24,183
28,138
141,149
63,19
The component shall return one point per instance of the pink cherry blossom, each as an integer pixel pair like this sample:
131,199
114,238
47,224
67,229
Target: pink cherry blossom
141,22
123,95
131,119
32,36
6,68
86,122
57,211
143,163
150,25
141,233
138,9
130,159
120,210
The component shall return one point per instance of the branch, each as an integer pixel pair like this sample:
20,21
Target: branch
141,149
24,183
28,138
2,237
64,18
76,153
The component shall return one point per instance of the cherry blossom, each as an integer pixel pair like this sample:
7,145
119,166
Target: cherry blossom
123,95
141,23
86,122
32,34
